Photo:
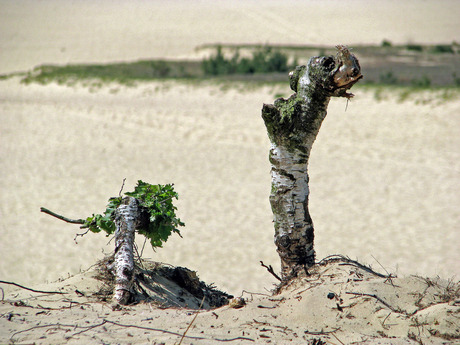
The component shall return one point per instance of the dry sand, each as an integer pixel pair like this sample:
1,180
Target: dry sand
339,302
384,173
384,177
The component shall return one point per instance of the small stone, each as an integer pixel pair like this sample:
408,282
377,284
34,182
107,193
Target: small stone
330,295
237,303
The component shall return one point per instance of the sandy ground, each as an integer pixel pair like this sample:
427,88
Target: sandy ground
384,177
340,302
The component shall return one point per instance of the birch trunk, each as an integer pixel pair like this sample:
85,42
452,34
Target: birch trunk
127,218
292,126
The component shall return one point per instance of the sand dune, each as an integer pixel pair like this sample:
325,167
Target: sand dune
384,172
339,302
384,177
37,32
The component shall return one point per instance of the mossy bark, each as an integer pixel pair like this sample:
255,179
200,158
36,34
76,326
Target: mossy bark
293,125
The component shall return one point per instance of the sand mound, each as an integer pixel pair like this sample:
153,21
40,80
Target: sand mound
339,301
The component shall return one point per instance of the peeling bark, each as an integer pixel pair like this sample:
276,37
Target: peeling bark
292,126
127,218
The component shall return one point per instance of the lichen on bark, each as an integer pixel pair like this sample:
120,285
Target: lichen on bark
292,125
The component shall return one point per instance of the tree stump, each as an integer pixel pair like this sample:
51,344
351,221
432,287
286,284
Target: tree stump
127,219
292,126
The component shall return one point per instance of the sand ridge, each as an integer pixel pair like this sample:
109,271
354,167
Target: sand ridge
341,301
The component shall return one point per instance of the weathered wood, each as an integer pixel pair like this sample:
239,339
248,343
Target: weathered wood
127,218
292,126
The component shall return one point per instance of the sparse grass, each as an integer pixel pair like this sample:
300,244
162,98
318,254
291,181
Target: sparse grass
266,65
123,73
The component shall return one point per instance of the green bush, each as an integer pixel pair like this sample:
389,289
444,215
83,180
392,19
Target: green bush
386,43
414,47
442,48
265,60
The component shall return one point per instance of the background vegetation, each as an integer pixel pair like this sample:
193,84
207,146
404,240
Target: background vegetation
414,65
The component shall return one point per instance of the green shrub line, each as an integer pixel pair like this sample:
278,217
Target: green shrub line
260,64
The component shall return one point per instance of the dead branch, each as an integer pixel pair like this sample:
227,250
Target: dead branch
194,318
333,333
350,262
174,333
270,270
90,327
29,289
322,332
380,300
58,216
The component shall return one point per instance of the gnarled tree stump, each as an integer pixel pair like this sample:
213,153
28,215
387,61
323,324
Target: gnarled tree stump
292,126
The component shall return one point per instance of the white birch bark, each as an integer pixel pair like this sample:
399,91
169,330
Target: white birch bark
292,126
126,220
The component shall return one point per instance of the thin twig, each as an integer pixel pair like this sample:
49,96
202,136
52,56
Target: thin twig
142,250
58,216
90,327
138,256
26,288
333,333
190,325
348,261
321,332
389,275
378,299
151,329
44,326
270,270
121,189
81,235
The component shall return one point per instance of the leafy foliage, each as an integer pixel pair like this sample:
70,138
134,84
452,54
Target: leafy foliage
157,200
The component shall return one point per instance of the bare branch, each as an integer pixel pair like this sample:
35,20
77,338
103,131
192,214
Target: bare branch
58,216
29,289
121,189
270,270
380,300
191,323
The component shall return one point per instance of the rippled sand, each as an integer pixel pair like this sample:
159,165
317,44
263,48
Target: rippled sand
384,173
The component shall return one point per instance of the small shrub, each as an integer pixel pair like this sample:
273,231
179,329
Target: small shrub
264,60
414,47
386,43
423,82
442,48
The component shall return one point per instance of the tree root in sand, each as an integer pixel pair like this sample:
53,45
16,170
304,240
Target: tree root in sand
164,285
